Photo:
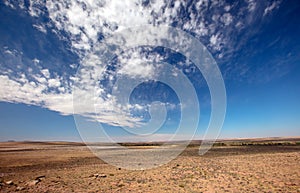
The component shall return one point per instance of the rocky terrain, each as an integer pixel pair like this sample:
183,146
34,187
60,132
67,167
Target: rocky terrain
230,166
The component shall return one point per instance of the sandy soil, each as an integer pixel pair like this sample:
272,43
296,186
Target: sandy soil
71,167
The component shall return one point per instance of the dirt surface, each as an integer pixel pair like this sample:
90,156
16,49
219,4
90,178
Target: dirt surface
72,167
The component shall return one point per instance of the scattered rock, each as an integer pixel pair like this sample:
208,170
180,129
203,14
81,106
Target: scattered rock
33,182
36,180
10,182
19,188
40,177
99,175
102,175
120,185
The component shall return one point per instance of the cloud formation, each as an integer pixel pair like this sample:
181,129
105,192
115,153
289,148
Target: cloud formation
85,23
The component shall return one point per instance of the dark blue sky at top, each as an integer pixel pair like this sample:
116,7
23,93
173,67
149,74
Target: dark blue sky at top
261,71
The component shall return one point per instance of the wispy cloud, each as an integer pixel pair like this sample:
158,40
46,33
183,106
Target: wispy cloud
41,28
271,7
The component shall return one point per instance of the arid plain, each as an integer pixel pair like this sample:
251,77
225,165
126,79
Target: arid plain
248,165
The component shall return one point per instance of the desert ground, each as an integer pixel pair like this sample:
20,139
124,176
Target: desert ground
244,165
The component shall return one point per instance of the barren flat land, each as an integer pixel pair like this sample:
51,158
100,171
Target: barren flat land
244,165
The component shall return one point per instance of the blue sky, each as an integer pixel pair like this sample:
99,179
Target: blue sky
48,49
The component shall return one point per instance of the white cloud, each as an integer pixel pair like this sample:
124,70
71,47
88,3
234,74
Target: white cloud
216,17
227,8
74,66
21,92
227,19
11,52
202,3
41,28
239,25
46,73
40,79
136,64
271,7
34,8
35,93
53,82
137,68
251,5
213,39
36,61
85,20
8,52
9,4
